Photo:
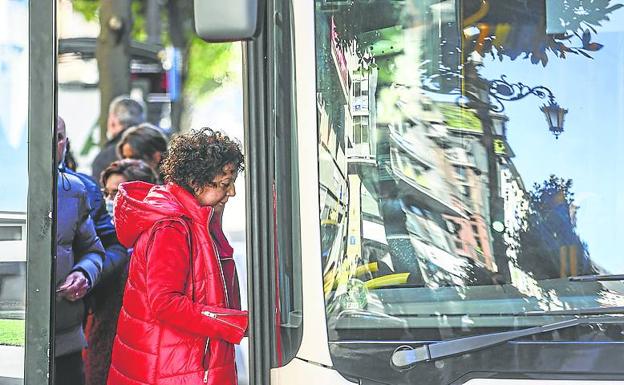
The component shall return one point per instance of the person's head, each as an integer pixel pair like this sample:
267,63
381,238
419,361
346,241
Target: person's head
205,163
61,140
145,142
123,112
121,171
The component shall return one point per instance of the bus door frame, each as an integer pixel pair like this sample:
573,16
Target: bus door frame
41,213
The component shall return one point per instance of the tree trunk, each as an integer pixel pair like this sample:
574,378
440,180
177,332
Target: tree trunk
180,13
113,55
153,22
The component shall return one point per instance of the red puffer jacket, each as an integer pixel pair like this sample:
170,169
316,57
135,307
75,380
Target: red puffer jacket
177,325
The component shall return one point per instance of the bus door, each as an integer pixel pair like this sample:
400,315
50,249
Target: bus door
481,140
467,177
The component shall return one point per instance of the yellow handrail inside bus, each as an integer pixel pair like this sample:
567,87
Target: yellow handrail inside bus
387,280
332,284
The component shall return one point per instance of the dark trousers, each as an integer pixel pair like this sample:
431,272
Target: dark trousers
68,369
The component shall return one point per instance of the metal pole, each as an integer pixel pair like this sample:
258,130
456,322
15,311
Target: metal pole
41,193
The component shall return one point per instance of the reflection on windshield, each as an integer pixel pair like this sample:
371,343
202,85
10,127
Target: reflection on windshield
468,164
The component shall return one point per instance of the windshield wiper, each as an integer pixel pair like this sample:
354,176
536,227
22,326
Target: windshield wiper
406,356
597,278
575,312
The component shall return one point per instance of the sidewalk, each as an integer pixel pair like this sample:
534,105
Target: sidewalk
11,365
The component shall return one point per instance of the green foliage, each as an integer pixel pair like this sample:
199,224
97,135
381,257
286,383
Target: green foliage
139,31
209,66
12,332
88,8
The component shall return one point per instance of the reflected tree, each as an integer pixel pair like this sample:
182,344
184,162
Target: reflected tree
504,29
514,29
524,26
453,37
548,243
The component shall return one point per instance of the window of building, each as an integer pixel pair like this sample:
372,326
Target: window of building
287,245
10,233
460,172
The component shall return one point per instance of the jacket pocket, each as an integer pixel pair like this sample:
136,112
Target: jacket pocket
231,323
225,318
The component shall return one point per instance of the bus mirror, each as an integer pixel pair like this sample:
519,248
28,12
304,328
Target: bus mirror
219,21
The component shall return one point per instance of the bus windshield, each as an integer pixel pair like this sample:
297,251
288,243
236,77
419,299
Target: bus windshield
469,159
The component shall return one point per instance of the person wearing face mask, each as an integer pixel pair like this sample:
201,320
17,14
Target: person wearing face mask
102,322
180,319
116,255
121,171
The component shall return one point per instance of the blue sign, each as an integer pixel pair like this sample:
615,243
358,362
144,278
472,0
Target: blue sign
174,78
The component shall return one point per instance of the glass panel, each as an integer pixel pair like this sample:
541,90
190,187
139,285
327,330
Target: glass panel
491,175
14,186
288,250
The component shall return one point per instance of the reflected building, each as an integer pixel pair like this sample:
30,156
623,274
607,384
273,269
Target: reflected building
414,187
429,231
411,179
439,166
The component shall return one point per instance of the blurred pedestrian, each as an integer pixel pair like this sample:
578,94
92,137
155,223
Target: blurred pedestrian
102,322
178,323
78,266
124,112
146,142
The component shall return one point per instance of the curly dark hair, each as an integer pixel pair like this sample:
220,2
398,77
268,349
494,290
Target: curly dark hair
195,158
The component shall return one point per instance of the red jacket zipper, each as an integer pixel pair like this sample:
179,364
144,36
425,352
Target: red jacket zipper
204,363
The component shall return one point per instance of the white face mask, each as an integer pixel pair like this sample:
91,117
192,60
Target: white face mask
110,207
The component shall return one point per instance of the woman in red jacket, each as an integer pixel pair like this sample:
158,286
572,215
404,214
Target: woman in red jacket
180,314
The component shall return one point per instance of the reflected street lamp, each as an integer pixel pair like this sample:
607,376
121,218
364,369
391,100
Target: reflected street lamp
501,90
555,116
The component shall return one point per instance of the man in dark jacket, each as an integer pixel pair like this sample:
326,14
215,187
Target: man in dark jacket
116,254
106,293
124,112
79,260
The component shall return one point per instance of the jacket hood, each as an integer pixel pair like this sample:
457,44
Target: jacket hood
139,205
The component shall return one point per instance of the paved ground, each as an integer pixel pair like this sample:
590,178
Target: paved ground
11,365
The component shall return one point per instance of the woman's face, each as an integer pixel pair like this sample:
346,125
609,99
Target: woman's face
127,152
110,192
112,185
222,189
